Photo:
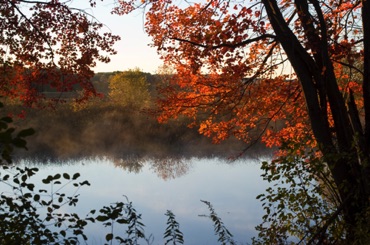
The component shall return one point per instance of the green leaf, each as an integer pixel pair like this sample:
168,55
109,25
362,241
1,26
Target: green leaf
55,206
57,176
6,177
24,178
75,176
63,233
27,195
91,219
26,132
36,197
30,186
102,218
66,176
109,237
47,180
122,221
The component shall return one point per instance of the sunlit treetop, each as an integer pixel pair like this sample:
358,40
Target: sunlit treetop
49,43
233,75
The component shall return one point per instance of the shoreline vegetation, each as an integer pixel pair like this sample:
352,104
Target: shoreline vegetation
118,133
116,126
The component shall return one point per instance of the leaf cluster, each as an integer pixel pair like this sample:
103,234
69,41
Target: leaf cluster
301,205
23,222
173,235
9,140
32,215
125,214
49,44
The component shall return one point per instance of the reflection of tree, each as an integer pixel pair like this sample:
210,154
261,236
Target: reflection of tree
170,168
166,168
132,165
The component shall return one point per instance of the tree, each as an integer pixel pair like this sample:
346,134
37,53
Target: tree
130,89
49,43
283,71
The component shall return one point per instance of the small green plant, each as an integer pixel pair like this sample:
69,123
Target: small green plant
33,216
121,213
224,235
173,235
135,226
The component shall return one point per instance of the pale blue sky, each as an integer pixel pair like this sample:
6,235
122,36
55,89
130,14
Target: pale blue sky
133,50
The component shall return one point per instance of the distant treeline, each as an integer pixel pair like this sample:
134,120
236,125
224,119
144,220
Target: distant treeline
103,127
115,132
100,81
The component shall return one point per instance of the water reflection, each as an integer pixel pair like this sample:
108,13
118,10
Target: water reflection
176,184
165,168
131,164
170,168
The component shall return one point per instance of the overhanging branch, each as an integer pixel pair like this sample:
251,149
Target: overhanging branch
226,45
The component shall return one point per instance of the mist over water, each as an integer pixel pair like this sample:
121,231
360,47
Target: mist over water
119,133
157,166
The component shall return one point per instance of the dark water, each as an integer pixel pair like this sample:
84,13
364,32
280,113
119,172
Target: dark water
155,186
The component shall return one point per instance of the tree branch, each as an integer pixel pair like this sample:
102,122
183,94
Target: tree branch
36,29
323,229
227,45
349,66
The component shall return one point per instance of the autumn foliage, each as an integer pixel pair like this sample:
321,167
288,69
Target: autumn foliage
49,44
286,72
232,76
294,72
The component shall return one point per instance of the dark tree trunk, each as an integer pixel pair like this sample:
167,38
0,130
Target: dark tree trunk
319,84
366,76
366,88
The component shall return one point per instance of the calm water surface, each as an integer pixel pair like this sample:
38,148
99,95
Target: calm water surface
154,186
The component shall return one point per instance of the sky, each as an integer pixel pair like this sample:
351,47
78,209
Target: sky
133,50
